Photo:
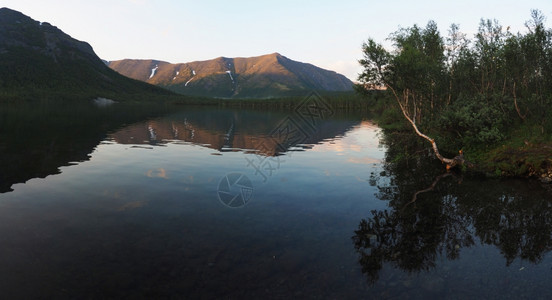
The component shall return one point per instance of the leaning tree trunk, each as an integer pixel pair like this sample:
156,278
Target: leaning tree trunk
450,163
522,117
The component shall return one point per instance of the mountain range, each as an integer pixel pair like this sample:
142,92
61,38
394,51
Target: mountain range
38,59
263,76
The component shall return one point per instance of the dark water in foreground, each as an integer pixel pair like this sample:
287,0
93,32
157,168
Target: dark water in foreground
209,203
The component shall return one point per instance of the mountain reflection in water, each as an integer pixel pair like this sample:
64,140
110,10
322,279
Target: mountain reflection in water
230,130
37,138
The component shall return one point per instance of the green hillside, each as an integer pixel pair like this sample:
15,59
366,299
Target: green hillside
39,60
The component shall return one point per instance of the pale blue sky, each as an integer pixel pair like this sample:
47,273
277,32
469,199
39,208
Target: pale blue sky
328,34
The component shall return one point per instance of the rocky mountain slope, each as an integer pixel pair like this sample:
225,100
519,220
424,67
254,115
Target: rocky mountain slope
263,76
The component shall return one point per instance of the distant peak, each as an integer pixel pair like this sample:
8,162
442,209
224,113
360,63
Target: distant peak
10,16
275,54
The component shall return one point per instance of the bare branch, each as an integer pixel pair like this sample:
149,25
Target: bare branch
450,162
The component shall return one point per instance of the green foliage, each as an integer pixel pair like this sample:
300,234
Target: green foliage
469,94
375,58
474,122
343,101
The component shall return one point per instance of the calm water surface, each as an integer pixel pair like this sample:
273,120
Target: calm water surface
213,203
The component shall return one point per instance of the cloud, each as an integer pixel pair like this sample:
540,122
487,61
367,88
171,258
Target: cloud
132,205
364,160
160,173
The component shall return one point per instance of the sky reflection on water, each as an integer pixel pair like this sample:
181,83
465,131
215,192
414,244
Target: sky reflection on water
143,216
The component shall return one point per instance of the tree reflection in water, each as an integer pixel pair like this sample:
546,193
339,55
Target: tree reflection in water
427,223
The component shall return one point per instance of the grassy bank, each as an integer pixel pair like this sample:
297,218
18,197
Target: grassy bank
526,152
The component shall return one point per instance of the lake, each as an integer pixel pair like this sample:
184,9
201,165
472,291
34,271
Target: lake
203,202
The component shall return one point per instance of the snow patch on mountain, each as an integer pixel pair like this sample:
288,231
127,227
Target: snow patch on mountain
153,71
230,73
193,75
177,72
